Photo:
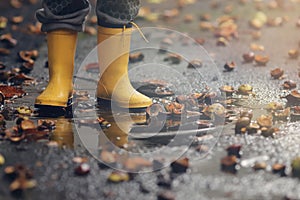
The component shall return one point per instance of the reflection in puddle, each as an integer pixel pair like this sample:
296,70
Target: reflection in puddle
63,133
119,130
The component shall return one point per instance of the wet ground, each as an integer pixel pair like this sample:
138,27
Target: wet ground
53,167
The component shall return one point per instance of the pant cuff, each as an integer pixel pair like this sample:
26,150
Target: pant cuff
110,25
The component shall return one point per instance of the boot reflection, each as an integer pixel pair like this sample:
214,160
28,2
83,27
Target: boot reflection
63,133
121,124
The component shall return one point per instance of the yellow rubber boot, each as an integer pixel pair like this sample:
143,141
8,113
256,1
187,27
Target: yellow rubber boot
61,53
114,84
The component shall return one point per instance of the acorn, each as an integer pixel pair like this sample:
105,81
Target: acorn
166,195
293,53
265,121
279,169
234,150
289,84
229,66
261,60
241,123
180,166
277,73
136,57
259,166
252,128
245,89
82,169
228,164
118,176
248,57
195,64
293,98
228,90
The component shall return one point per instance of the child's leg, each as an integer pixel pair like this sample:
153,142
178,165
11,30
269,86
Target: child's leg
61,19
118,12
114,34
63,14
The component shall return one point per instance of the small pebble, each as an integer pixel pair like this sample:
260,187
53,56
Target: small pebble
82,169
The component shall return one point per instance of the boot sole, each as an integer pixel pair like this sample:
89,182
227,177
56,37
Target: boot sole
107,104
44,110
53,111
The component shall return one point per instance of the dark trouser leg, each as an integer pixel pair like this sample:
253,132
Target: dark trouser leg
63,14
116,12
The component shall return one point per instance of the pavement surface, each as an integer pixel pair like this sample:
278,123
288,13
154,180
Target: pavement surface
53,167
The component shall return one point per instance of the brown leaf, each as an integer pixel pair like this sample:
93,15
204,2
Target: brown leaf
11,91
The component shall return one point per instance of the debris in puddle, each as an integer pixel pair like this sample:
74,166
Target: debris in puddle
202,148
136,57
273,106
252,128
82,169
261,60
45,124
155,109
222,42
265,121
295,113
108,157
228,90
80,160
24,110
268,131
17,19
173,58
195,64
3,22
118,176
260,166
277,73
228,164
293,53
7,38
166,195
245,89
234,150
164,180
242,123
180,166
278,168
22,178
92,67
248,57
229,66
259,20
4,51
257,47
281,115
289,84
293,98
136,163
28,55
